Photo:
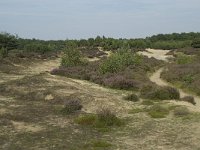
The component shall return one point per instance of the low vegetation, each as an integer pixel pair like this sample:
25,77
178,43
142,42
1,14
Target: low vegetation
103,119
189,99
132,97
181,111
158,111
71,105
154,92
184,73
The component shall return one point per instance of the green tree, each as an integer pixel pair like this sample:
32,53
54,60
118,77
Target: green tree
3,52
72,57
196,43
8,41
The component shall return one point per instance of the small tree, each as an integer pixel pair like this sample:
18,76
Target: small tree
196,43
72,57
3,52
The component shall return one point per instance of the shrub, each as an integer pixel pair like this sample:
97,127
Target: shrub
189,99
196,43
107,118
3,52
121,82
132,97
71,106
184,59
159,93
158,111
181,111
72,57
119,61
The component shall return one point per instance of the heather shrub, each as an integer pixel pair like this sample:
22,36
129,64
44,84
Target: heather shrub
159,93
71,106
181,111
132,97
186,76
121,82
105,117
189,99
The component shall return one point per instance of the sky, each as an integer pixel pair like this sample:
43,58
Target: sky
77,19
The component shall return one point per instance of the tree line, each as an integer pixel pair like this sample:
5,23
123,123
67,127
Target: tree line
160,41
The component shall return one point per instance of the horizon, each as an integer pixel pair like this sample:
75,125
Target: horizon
78,19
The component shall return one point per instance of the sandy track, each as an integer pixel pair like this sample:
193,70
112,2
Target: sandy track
155,77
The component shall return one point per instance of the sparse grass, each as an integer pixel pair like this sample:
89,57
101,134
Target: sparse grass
136,110
147,102
132,97
98,144
181,111
158,111
104,119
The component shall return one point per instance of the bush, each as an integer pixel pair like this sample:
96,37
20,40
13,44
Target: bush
121,82
71,106
181,111
3,52
107,118
184,59
132,97
72,57
189,99
196,43
119,61
159,93
158,111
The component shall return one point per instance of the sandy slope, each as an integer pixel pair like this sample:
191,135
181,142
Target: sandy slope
158,54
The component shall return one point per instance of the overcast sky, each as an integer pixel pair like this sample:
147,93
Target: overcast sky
62,19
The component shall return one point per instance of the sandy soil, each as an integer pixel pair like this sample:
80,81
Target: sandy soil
158,54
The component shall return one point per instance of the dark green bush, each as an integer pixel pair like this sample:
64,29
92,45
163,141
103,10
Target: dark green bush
3,52
132,97
196,43
72,57
119,61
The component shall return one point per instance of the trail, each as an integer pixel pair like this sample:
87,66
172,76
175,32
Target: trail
156,78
